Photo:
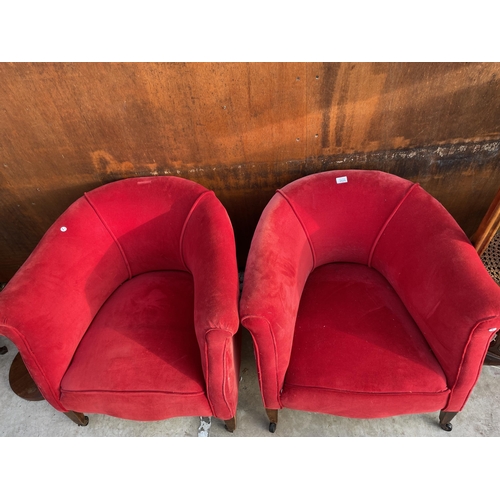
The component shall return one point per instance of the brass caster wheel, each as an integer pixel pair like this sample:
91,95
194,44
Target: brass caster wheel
446,427
272,427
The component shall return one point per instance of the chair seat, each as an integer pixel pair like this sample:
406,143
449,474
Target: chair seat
353,335
140,358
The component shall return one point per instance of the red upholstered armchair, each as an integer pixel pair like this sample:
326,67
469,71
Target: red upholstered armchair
129,305
365,299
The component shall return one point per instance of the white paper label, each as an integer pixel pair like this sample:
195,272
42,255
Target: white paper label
341,180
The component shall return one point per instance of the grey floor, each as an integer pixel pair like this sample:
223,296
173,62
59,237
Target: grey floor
480,418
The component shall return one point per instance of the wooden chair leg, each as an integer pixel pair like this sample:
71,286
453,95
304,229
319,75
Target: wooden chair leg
21,382
230,424
445,417
273,419
3,349
78,418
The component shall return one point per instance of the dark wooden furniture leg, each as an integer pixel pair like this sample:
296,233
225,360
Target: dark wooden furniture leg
78,418
21,382
3,349
273,419
230,424
445,417
23,385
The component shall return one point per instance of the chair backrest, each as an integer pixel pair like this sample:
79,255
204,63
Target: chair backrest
344,212
147,219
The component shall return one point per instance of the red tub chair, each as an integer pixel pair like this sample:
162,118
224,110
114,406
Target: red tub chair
365,299
129,305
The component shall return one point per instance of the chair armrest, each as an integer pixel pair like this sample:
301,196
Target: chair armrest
444,285
221,361
279,262
472,362
48,305
209,253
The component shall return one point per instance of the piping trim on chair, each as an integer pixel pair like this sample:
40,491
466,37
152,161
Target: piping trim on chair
469,340
382,229
195,204
371,393
276,360
303,227
106,391
112,236
35,361
223,389
225,373
206,375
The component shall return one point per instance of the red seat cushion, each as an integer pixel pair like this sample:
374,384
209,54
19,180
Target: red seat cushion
141,348
353,334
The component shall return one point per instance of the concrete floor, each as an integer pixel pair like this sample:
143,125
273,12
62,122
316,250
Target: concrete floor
481,416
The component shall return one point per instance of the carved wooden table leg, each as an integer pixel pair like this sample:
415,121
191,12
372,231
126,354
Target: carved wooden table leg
21,382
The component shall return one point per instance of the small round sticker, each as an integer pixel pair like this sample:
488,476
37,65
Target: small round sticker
64,229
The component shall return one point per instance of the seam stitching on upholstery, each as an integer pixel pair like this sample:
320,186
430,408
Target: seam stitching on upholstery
462,361
42,372
383,228
367,392
223,365
221,330
224,375
127,265
478,373
97,391
188,217
303,227
207,378
276,360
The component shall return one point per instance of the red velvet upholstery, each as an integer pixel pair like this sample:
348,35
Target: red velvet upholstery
365,299
132,309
